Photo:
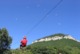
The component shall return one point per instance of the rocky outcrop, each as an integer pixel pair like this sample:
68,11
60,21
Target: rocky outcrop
54,38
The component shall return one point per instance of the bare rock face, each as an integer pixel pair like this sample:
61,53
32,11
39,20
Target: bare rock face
49,38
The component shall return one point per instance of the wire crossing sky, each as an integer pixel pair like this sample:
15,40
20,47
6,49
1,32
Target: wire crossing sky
44,17
39,18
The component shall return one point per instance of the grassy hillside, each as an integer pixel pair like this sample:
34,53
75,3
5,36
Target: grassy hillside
62,42
63,46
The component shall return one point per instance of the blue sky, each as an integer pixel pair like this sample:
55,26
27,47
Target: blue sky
19,16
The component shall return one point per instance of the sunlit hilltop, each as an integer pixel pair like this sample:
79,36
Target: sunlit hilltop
55,37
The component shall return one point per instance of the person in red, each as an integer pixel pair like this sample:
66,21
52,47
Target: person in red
23,42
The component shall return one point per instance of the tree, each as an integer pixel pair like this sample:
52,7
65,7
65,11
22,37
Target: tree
5,40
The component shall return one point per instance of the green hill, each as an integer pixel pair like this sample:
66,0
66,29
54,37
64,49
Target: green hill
63,46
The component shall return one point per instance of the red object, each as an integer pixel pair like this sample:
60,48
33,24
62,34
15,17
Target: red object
24,41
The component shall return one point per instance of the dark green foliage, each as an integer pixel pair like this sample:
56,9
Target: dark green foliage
20,51
63,46
5,41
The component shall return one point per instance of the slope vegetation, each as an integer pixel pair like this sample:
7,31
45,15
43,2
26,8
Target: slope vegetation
62,46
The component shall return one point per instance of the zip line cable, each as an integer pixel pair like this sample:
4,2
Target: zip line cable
44,17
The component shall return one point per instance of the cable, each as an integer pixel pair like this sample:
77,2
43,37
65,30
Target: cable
44,17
